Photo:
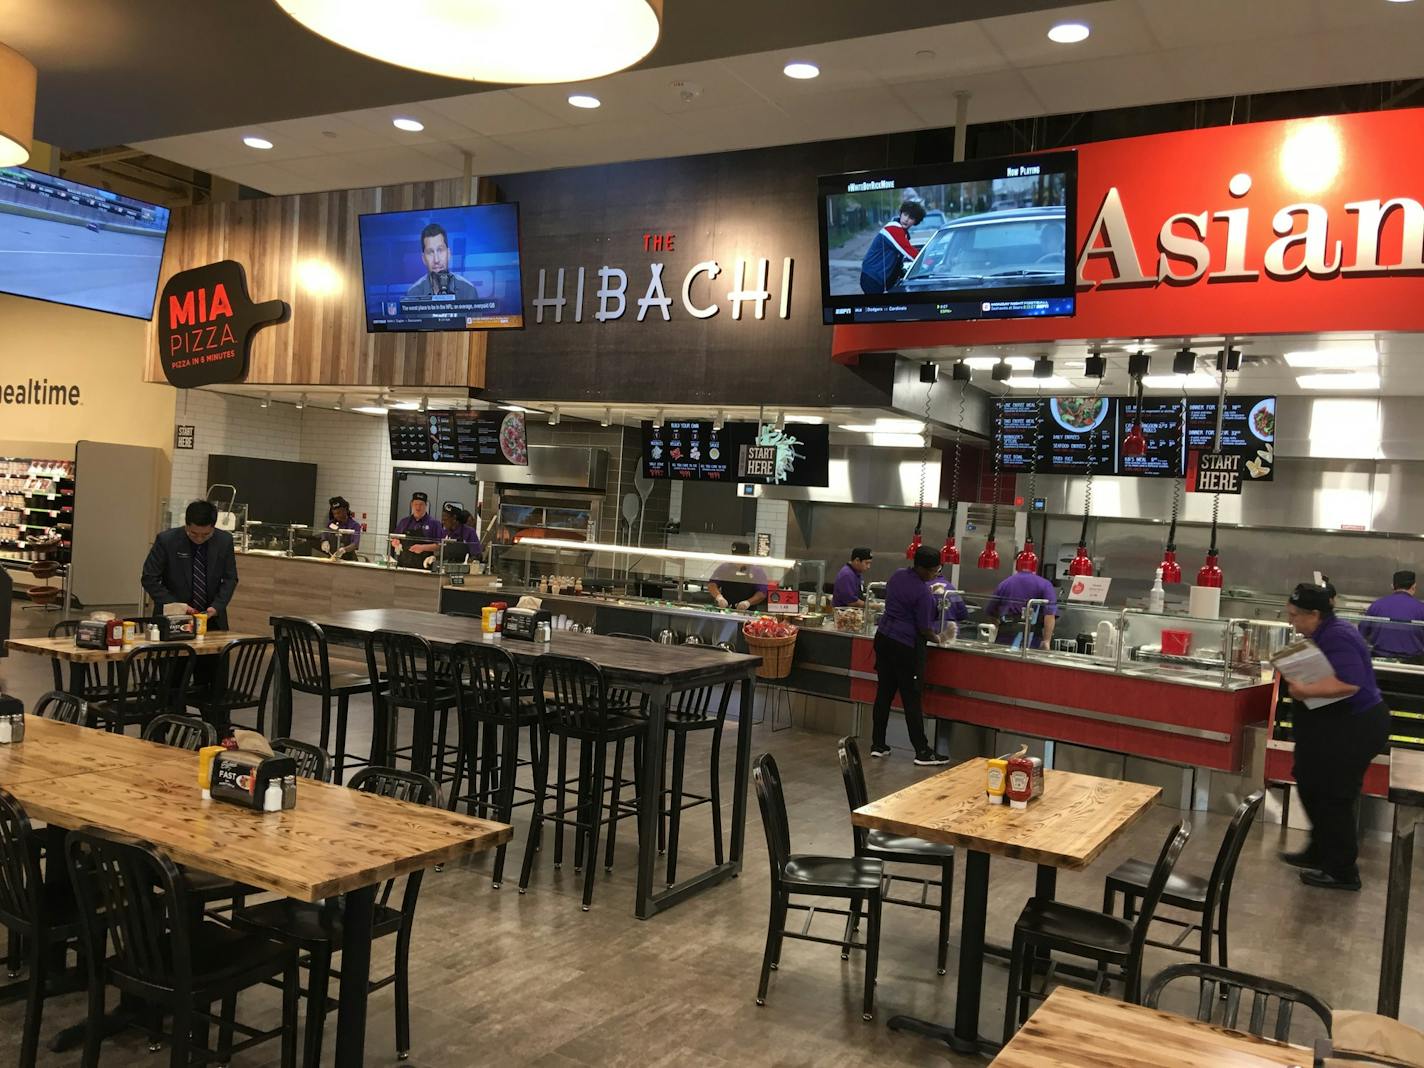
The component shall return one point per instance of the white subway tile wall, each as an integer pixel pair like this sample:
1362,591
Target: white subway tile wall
353,458
228,425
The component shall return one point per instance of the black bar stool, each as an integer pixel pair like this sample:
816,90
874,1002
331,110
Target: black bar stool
240,681
415,679
306,667
152,679
93,682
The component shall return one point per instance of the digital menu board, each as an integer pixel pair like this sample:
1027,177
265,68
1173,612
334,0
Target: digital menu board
1075,435
795,455
463,437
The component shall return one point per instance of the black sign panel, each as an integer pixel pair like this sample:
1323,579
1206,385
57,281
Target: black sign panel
1068,435
798,455
1161,422
475,437
206,320
1210,472
1248,429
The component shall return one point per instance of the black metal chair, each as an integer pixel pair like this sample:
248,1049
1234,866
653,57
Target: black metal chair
306,668
95,682
493,714
315,930
691,712
64,708
1046,926
241,680
1209,897
133,898
415,678
312,760
857,878
572,698
1219,999
900,849
180,732
153,679
37,915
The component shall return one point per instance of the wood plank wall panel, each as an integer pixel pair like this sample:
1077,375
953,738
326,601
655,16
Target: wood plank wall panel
325,341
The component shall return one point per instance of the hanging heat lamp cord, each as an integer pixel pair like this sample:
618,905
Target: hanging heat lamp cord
989,557
917,540
1210,573
1171,570
949,552
1082,563
1027,559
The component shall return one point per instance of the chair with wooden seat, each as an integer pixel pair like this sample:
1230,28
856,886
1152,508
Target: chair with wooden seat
305,660
900,849
1047,926
241,680
1209,897
64,708
167,954
1219,997
315,929
313,762
93,682
153,679
858,879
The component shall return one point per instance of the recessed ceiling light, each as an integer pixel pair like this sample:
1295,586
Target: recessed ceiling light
801,70
408,125
1069,32
494,40
1353,380
256,142
1339,359
584,100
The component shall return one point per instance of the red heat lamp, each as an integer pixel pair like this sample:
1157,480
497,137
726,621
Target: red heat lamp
914,546
949,552
1135,444
1171,570
1082,563
1027,559
1210,573
989,558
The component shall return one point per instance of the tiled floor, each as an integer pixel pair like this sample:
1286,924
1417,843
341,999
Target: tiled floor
504,978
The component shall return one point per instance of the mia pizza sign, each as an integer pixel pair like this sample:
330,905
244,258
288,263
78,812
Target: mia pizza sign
206,320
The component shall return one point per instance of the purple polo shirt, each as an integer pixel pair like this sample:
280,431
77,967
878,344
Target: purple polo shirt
466,534
1348,654
353,542
1400,637
428,528
848,588
909,608
1011,599
954,607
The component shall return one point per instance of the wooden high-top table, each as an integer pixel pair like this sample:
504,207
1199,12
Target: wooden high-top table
336,841
64,649
1075,1029
1068,827
657,670
1406,790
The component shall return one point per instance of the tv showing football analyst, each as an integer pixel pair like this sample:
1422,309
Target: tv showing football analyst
442,269
985,239
74,244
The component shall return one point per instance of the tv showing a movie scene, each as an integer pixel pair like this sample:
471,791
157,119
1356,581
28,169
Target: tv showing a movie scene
984,239
442,269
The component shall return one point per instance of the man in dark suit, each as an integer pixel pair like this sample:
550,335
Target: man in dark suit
193,565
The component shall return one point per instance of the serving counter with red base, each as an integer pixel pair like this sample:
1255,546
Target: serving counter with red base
1130,711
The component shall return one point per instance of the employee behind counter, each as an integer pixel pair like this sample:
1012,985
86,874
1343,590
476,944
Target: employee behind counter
1010,603
1394,632
741,584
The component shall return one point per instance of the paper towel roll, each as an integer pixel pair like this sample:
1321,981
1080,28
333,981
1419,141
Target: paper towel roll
1205,602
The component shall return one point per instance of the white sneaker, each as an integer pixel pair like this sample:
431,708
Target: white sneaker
878,751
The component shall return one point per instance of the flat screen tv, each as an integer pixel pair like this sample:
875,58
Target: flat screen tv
75,244
983,239
442,269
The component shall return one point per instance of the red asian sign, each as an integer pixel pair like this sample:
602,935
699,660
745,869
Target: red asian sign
1304,226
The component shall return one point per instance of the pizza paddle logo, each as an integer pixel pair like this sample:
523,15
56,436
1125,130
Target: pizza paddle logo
206,323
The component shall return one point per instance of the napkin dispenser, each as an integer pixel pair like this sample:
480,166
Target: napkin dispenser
92,634
177,628
523,622
243,778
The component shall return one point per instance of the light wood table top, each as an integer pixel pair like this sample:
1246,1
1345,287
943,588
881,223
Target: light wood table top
63,648
335,840
1406,776
1074,820
1075,1029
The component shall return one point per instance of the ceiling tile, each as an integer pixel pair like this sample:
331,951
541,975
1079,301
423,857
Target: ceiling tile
1210,22
1117,81
996,96
495,113
1118,28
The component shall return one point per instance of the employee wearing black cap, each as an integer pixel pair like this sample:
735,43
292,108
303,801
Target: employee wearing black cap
420,529
1335,741
1402,638
905,628
849,591
341,546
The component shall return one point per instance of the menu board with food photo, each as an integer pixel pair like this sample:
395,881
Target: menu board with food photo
1161,432
797,454
1248,429
1067,435
462,437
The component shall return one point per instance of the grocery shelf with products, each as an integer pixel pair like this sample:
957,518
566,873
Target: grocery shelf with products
36,509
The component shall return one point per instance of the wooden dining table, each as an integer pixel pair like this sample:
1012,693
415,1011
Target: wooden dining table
63,649
1068,827
335,842
1076,1029
1406,790
656,670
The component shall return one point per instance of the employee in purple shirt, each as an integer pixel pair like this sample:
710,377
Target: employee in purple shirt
421,530
949,604
905,628
849,590
1334,742
743,585
338,517
461,541
1010,602
1402,638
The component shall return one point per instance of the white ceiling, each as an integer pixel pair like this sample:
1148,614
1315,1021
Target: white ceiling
1140,52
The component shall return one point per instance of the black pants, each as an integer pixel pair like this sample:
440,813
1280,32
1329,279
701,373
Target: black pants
899,667
1334,745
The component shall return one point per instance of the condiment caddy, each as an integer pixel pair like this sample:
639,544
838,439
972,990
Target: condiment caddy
1017,778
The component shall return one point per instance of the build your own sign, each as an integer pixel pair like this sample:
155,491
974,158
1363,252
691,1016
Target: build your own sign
206,320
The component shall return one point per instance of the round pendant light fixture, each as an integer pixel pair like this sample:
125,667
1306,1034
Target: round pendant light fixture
507,41
17,107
